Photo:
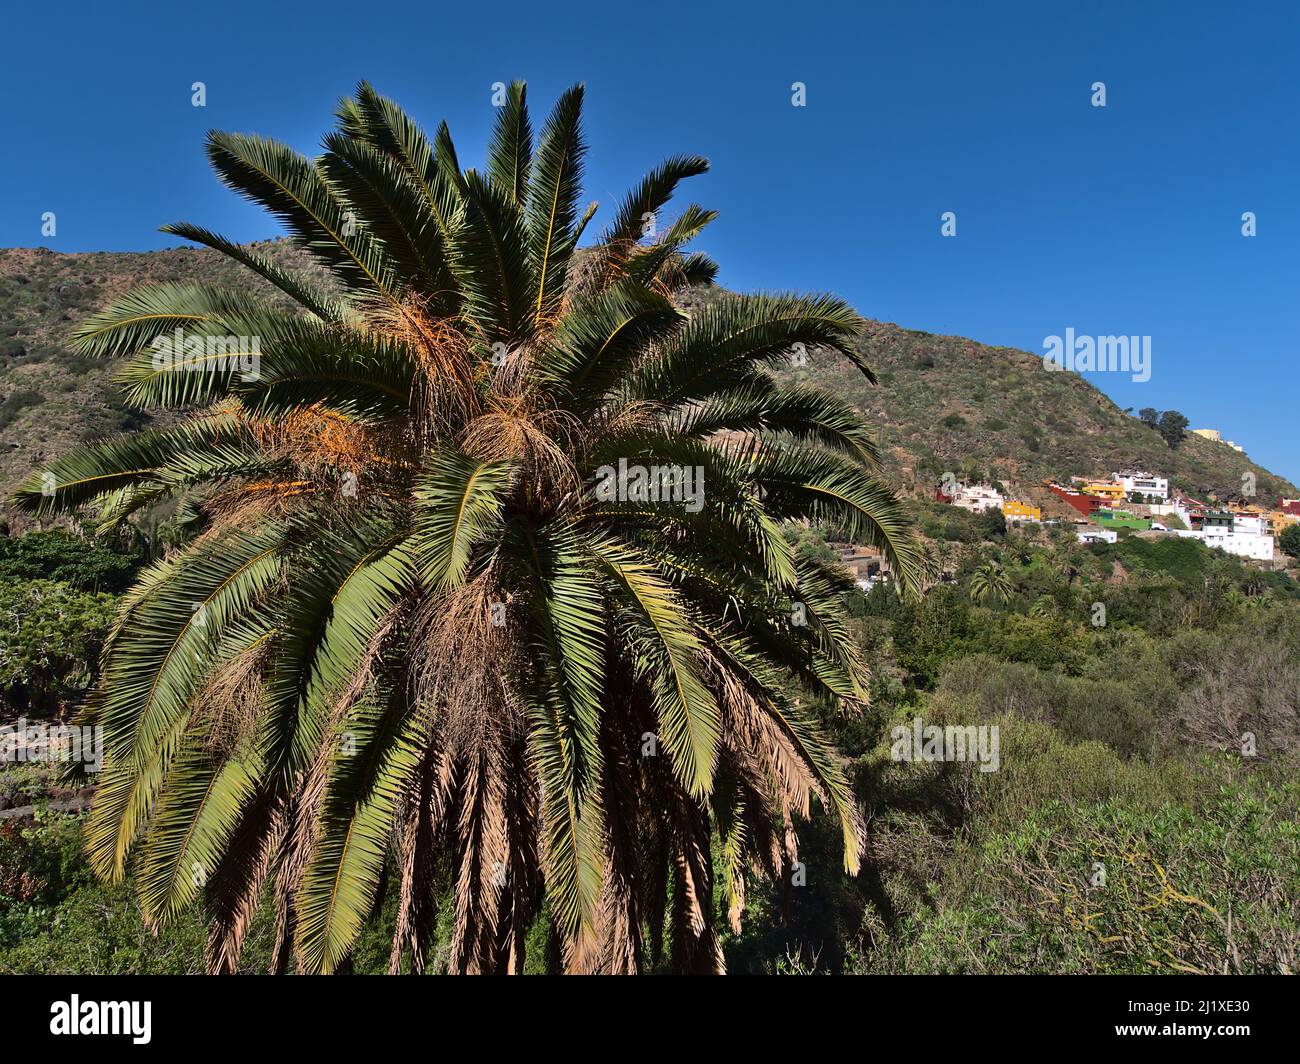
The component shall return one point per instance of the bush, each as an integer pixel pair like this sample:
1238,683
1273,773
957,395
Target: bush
15,403
1120,886
61,556
1289,541
40,864
50,639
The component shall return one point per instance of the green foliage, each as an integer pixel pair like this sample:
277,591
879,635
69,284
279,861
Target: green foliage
1119,886
58,555
1289,541
50,640
15,403
40,863
1173,427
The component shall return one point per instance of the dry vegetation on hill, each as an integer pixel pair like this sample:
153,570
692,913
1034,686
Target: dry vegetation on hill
944,403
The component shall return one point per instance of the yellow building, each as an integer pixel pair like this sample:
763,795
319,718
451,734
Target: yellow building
1278,521
1015,510
1106,490
1216,436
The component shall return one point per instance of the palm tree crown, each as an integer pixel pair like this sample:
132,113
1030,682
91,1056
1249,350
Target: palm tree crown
483,590
990,581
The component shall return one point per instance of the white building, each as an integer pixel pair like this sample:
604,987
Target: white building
978,497
1175,507
1243,544
1097,535
1254,524
1143,483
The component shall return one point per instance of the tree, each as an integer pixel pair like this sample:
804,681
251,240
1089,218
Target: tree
479,597
50,639
993,523
1172,427
1289,541
61,556
990,581
1149,416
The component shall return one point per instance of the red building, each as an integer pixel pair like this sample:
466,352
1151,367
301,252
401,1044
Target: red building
1083,502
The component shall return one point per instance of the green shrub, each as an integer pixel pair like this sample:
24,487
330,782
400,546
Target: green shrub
50,639
59,555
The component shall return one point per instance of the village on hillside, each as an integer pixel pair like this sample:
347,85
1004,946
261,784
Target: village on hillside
1143,503
1136,500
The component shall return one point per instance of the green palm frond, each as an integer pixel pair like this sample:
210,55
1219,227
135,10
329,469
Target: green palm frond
555,187
764,405
78,479
321,303
189,828
457,499
379,122
510,155
289,186
491,267
133,322
383,199
686,709
591,348
803,482
722,345
651,196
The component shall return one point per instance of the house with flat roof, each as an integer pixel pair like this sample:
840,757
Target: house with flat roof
1014,510
1093,534
1148,485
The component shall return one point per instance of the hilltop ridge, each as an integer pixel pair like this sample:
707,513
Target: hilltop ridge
943,404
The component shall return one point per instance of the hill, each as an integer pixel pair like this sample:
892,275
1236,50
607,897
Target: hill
951,402
944,403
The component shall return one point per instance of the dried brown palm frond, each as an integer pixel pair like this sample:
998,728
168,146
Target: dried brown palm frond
420,819
302,828
236,889
322,442
458,651
622,915
481,869
249,504
765,754
449,389
230,701
532,439
696,947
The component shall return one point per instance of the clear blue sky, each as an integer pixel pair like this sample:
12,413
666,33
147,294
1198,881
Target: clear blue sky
1122,220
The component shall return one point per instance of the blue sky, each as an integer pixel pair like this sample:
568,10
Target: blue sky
1117,220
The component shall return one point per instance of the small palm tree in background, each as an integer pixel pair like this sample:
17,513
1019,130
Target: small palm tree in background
418,630
1042,607
990,581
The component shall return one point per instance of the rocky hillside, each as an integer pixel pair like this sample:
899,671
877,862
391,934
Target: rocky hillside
944,403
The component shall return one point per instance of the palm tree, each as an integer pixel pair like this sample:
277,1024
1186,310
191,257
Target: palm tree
1043,606
990,581
409,635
